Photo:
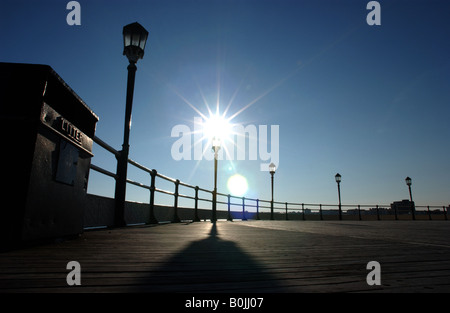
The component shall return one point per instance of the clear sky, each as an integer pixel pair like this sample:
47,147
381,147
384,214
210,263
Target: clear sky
369,102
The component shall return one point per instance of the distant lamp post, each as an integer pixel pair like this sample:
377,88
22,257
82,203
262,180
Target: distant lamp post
408,181
272,168
338,181
134,38
215,147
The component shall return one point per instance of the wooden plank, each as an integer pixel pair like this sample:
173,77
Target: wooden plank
240,256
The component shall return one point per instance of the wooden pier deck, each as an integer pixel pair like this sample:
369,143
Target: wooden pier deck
239,257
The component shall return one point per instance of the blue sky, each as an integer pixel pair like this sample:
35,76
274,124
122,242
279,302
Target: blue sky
369,102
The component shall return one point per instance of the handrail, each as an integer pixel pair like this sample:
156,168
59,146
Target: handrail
103,171
105,146
293,207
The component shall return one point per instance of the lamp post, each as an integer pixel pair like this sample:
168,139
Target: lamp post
338,181
215,148
134,38
408,181
272,168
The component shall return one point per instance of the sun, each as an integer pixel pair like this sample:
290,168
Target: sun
237,185
217,126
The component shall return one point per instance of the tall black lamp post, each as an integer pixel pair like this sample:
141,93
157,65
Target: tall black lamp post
272,168
215,148
408,181
134,38
338,181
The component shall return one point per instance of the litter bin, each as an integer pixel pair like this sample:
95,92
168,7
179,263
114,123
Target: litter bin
47,133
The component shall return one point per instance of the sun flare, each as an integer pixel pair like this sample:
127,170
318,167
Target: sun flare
237,185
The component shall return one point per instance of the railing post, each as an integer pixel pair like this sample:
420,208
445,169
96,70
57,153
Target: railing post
287,212
303,211
229,209
176,219
320,212
271,201
243,209
359,212
196,218
257,209
153,219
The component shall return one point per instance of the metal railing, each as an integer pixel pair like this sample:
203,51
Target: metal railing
283,210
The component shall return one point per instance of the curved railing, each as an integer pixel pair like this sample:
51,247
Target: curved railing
290,210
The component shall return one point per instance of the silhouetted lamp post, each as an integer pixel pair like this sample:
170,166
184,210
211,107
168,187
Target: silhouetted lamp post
215,148
408,181
272,168
338,181
134,38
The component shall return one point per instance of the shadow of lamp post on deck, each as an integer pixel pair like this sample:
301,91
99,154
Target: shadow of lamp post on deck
408,181
272,168
215,148
134,38
338,181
